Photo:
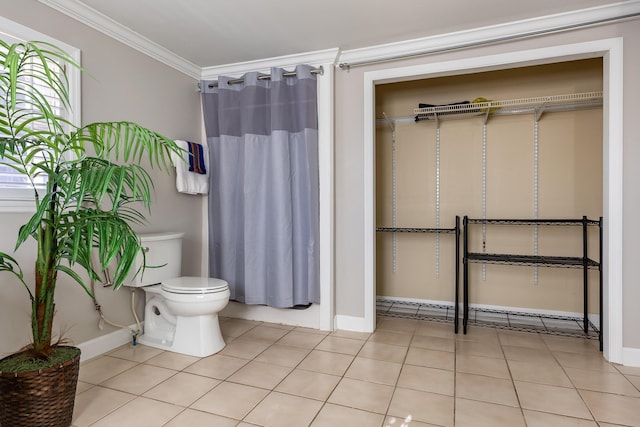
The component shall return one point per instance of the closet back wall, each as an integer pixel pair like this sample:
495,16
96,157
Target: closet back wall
569,186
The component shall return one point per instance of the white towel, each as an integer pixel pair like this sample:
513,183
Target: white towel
190,182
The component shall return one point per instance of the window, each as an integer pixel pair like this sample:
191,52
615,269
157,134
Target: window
16,194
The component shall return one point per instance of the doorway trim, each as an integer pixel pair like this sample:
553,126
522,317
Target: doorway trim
611,50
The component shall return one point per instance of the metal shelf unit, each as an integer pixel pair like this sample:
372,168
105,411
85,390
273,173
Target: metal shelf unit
455,231
584,262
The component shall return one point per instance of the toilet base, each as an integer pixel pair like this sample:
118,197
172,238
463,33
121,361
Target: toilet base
198,336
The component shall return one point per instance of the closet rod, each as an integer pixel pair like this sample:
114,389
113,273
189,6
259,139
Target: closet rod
319,70
346,66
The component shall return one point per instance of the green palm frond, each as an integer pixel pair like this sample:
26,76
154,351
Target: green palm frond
95,187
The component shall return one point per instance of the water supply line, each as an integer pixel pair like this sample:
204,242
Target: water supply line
104,319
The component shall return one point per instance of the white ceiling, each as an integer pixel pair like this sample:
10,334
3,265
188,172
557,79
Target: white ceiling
210,33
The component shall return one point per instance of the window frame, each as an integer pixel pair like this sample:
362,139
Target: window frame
18,199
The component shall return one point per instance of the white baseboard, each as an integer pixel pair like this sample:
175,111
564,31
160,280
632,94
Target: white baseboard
307,318
105,343
631,356
352,323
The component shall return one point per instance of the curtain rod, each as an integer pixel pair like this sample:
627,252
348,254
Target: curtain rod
319,70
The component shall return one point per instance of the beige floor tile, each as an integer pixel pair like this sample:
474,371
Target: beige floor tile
314,385
139,379
363,395
363,336
388,337
301,339
384,352
284,410
552,399
82,387
236,327
265,333
478,333
406,422
341,345
612,408
472,413
97,402
487,389
427,379
139,353
627,370
606,382
594,362
376,371
542,373
635,380
283,355
326,362
230,400
141,412
182,389
422,406
481,365
171,360
338,416
431,358
217,366
525,354
102,368
435,329
193,418
433,343
571,345
312,331
479,348
245,348
519,339
259,374
393,324
541,419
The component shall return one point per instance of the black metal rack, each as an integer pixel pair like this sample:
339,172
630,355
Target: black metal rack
456,231
583,262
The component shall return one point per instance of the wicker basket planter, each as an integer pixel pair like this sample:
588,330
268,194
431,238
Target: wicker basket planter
42,398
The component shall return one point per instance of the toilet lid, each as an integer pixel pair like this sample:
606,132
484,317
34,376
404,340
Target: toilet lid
194,285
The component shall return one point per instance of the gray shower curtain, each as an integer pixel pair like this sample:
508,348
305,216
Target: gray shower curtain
263,191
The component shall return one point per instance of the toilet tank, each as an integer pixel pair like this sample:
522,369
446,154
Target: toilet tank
163,257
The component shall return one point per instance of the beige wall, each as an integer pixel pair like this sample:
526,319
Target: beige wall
124,85
569,174
350,173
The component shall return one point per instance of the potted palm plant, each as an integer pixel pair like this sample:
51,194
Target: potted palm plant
94,190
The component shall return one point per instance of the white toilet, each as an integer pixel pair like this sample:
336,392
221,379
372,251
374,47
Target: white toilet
181,313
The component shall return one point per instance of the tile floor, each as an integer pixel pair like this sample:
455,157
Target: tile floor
409,373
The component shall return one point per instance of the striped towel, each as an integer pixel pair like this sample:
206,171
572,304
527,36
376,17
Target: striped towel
196,158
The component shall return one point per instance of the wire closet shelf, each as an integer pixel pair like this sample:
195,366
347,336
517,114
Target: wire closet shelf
536,105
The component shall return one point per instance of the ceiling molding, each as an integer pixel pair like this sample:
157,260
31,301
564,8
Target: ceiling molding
492,34
316,58
117,31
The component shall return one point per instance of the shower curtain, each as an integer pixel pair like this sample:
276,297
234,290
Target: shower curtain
263,191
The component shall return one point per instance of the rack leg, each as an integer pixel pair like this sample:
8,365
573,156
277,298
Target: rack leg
456,310
600,285
465,279
585,267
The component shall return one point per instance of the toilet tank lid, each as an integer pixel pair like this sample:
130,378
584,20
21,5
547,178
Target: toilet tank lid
193,284
152,237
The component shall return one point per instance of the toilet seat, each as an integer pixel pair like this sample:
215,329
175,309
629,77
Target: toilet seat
194,285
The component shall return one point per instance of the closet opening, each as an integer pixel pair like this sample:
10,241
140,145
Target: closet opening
523,145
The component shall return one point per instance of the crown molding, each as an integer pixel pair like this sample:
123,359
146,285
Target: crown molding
98,21
315,58
599,15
